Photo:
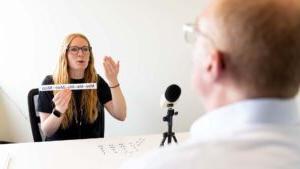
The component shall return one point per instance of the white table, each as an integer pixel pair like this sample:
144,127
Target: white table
81,154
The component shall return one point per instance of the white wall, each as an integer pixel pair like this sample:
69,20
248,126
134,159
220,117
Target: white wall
14,125
146,36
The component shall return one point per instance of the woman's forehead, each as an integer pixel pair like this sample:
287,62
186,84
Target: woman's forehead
79,41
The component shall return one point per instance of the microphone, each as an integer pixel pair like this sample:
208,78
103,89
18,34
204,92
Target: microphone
171,96
168,100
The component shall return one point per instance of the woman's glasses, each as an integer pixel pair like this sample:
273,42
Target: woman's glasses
75,49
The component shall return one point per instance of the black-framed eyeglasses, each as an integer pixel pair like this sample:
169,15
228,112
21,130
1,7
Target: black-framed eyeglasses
75,49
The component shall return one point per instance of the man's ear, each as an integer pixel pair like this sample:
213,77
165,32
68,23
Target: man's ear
216,65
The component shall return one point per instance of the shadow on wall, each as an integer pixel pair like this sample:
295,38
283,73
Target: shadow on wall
14,125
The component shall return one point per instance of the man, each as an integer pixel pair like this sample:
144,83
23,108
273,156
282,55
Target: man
247,70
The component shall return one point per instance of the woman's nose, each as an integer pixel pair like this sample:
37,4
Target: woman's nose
80,52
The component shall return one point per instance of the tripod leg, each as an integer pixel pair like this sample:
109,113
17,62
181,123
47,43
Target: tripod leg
174,138
169,139
163,140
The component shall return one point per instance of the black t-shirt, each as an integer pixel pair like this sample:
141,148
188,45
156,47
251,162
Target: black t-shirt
75,130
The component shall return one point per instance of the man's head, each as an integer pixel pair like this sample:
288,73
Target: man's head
248,49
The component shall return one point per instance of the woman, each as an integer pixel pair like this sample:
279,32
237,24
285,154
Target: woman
77,114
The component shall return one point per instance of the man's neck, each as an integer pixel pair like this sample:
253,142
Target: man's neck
223,97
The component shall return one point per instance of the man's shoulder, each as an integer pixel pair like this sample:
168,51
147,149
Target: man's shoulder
244,153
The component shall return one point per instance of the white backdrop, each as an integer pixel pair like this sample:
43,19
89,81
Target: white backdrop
146,36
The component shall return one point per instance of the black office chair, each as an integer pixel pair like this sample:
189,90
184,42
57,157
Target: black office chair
102,121
34,115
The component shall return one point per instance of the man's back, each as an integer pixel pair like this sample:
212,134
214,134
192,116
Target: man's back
251,140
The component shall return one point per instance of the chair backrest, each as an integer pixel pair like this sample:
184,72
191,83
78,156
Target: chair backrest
102,120
34,115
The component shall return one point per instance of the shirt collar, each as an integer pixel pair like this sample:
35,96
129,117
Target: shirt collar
225,121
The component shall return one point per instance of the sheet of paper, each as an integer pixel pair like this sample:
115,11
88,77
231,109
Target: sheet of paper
122,147
4,160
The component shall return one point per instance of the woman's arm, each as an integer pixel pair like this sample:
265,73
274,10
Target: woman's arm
117,106
51,123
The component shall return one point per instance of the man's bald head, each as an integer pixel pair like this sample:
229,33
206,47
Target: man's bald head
260,40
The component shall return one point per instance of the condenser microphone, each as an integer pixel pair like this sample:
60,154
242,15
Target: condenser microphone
171,96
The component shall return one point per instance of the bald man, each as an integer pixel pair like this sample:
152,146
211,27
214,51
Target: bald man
247,71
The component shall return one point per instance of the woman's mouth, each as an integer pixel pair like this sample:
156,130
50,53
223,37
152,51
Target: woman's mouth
81,61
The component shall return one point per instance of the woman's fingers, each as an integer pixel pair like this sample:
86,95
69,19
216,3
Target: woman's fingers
57,95
105,67
118,66
109,69
66,100
59,99
110,65
62,99
111,62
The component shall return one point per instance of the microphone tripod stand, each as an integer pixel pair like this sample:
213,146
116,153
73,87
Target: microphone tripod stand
169,118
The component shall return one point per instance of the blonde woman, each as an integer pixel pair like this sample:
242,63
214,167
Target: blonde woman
77,114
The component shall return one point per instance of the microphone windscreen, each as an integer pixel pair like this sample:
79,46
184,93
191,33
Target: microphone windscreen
172,93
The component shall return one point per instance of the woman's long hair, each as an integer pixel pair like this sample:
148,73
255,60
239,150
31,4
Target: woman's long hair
89,99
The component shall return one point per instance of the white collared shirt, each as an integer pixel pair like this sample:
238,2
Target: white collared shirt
251,134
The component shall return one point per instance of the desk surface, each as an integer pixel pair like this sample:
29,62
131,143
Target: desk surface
80,154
